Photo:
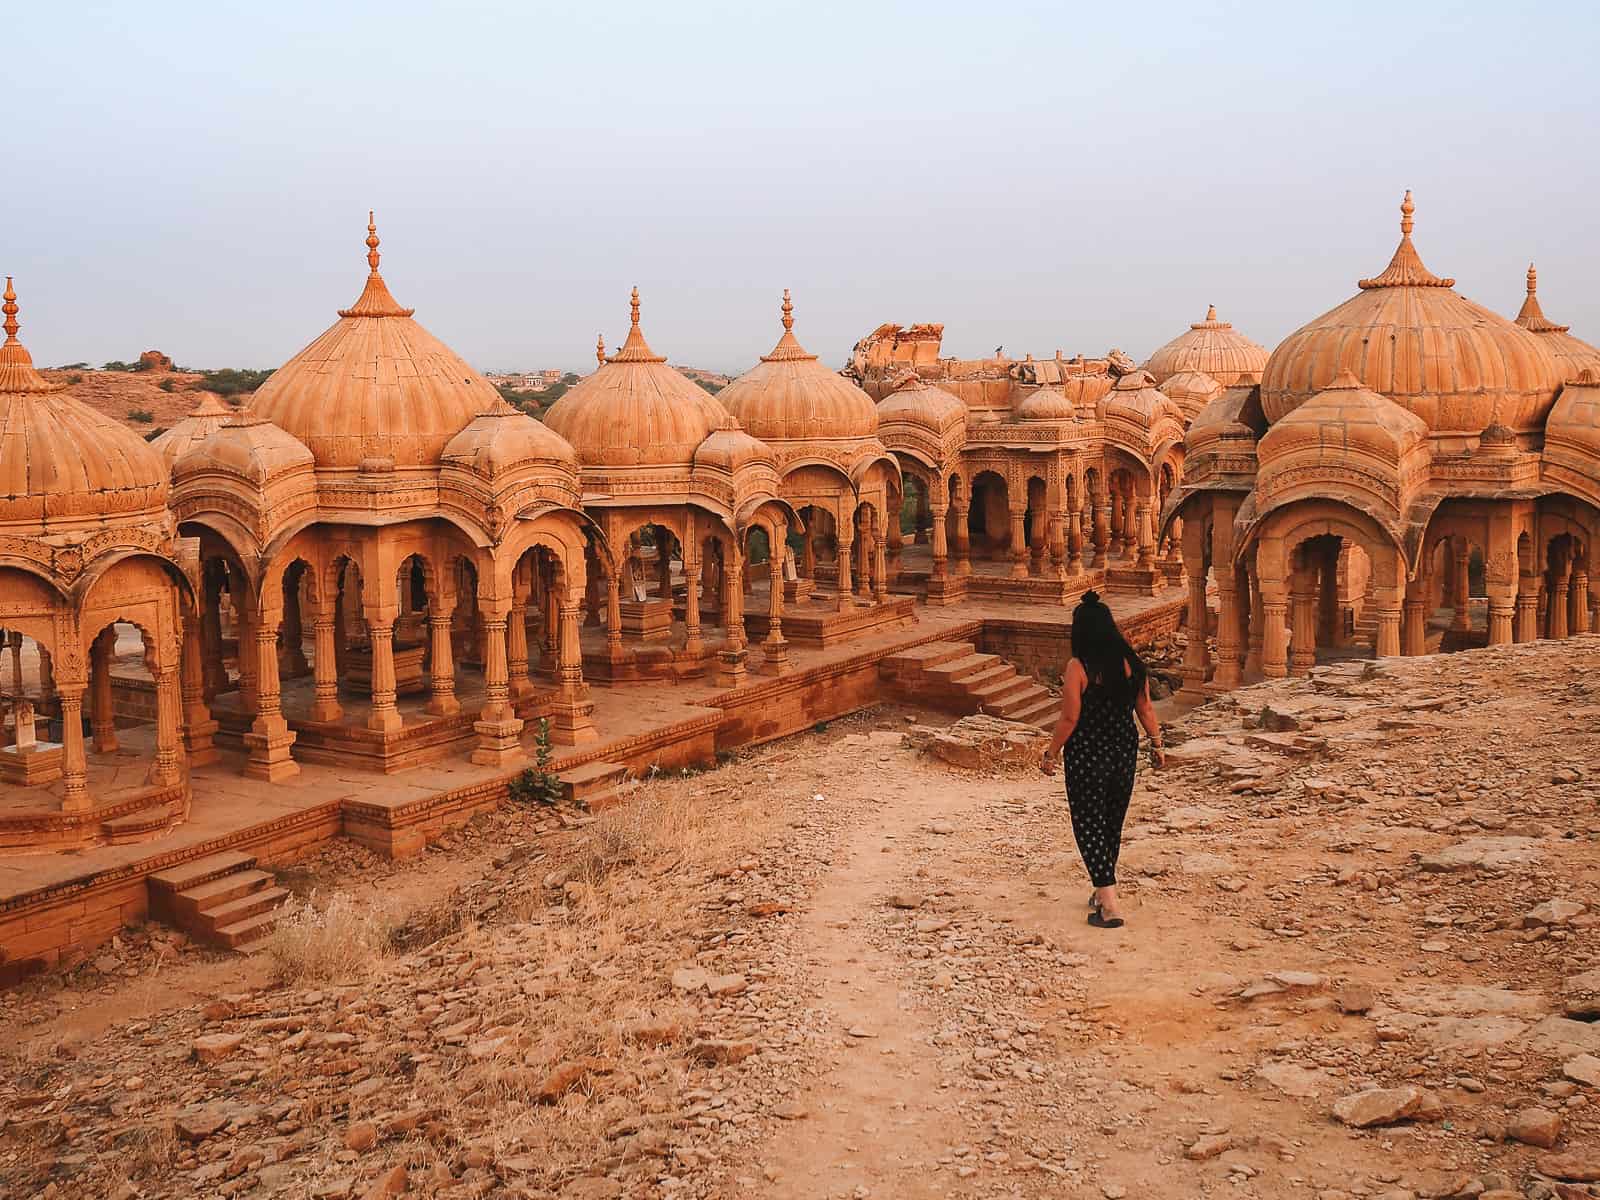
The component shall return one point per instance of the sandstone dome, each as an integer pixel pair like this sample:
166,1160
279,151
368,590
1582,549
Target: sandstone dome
1409,336
501,441
249,447
1212,346
789,396
634,410
62,463
1135,398
918,402
1572,354
1572,435
1047,404
203,420
375,385
1191,391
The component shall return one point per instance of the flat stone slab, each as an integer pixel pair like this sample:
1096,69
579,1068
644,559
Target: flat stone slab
1494,853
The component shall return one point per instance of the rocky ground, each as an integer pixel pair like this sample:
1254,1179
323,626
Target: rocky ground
1361,960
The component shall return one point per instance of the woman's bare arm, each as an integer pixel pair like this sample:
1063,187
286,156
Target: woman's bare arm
1146,712
1071,706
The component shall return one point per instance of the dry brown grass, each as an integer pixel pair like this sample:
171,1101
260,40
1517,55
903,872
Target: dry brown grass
337,940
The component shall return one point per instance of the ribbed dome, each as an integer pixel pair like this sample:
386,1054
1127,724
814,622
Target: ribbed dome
204,420
62,462
1572,435
1408,336
1212,346
918,402
1135,398
1046,404
636,411
249,446
375,385
791,397
1191,391
1572,354
502,440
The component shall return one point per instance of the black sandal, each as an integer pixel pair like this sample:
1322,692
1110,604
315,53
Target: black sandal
1100,921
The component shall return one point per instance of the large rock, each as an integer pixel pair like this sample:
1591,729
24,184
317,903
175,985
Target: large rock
214,1047
1583,1069
1562,1037
1536,1127
1492,853
1580,997
1571,1168
980,743
1553,912
1388,1106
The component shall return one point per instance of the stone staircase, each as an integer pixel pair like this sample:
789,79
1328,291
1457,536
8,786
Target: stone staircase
593,786
222,900
955,677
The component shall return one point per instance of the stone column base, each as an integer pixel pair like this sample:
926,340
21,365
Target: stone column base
443,706
269,752
732,667
775,658
385,720
499,742
572,723
326,712
197,737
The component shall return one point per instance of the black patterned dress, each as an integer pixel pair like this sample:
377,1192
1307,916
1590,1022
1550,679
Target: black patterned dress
1100,760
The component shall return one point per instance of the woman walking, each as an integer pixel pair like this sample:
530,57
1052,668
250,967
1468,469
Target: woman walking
1104,686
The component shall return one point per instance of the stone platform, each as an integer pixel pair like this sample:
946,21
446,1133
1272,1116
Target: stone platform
53,905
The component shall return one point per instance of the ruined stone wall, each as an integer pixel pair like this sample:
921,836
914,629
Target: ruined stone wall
1042,647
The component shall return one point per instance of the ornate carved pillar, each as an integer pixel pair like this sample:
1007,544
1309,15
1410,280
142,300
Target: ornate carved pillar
442,700
614,650
74,765
270,737
1195,656
1388,606
1527,617
517,652
292,650
846,551
214,669
1074,540
1144,531
731,659
941,543
962,512
865,536
1461,621
1230,649
1019,543
385,717
1558,601
1274,639
1578,603
880,571
198,727
693,644
1255,632
497,726
1102,534
14,643
244,629
775,649
572,723
169,707
1303,614
1414,631
325,705
102,711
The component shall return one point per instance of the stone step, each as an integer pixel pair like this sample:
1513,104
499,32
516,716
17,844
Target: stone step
581,784
961,669
204,897
200,870
263,900
1041,709
998,691
919,658
136,825
241,934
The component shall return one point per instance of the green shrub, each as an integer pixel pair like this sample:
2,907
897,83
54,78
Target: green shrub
75,378
231,381
538,784
713,388
118,365
166,385
142,415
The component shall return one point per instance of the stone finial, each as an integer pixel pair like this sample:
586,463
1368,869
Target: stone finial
788,311
1533,280
1211,312
10,309
600,349
633,304
372,242
1407,207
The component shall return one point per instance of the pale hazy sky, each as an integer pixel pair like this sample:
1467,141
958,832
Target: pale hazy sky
196,177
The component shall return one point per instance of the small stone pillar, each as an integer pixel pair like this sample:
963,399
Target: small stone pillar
846,550
941,543
1274,640
198,727
442,700
519,684
573,719
962,512
694,644
1527,614
74,765
102,712
1461,621
270,737
614,650
169,706
1230,649
1578,600
1195,656
1019,543
774,648
731,659
385,716
497,726
1303,636
880,570
1102,534
1388,628
325,664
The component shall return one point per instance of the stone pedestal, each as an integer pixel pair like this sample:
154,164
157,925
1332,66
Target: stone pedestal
647,620
499,741
269,756
409,679
31,765
797,589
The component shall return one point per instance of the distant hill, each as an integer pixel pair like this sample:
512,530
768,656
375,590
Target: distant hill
150,401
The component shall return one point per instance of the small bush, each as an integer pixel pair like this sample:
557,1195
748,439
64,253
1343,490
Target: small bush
231,381
154,434
118,365
538,785
333,942
75,377
166,385
142,415
713,388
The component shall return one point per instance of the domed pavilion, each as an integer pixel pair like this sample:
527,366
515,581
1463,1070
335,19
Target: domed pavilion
1411,472
845,485
87,548
1210,347
379,505
675,486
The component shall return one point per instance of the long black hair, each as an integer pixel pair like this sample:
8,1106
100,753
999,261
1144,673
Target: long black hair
1107,658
